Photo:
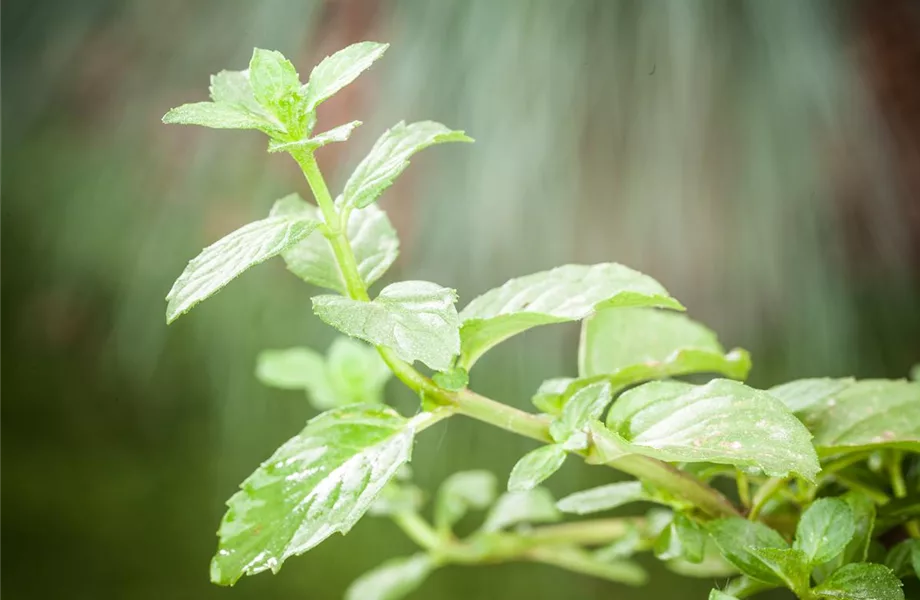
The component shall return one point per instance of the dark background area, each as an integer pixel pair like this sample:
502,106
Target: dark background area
761,159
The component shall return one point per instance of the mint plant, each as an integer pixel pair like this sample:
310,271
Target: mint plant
820,476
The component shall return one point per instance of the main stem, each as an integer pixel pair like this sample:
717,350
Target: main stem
471,404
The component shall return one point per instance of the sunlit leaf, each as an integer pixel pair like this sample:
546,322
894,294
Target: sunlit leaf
586,405
390,156
568,293
722,422
742,543
340,69
336,134
222,261
535,467
550,395
373,243
318,483
392,580
274,81
416,319
605,497
861,581
845,415
512,508
218,116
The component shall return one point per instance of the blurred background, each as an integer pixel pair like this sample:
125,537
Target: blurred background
761,159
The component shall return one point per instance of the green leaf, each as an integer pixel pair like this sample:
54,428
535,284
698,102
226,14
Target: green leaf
915,558
455,378
824,530
549,397
336,134
586,405
626,346
861,581
222,261
416,319
681,539
857,550
744,587
742,543
353,373
624,547
462,492
568,293
218,116
234,87
900,558
319,482
717,595
847,416
373,242
605,497
340,69
275,83
535,467
512,508
791,566
390,156
394,579
712,565
723,422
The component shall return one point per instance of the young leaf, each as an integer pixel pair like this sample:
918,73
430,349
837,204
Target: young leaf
605,497
535,467
336,134
319,482
586,405
682,539
455,378
340,69
899,558
742,543
234,87
568,293
549,396
723,422
847,417
222,261
717,595
824,530
532,506
394,579
390,156
461,492
219,116
373,242
416,319
274,81
857,550
627,346
861,581
791,566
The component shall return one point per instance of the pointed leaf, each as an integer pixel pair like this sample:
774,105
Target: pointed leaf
274,81
416,319
340,69
861,581
742,543
568,293
337,134
373,242
849,416
218,116
627,346
461,492
234,87
222,261
825,529
319,482
394,579
586,405
535,467
390,156
723,422
549,397
512,508
605,497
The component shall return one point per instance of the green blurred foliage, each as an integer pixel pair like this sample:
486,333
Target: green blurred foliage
716,146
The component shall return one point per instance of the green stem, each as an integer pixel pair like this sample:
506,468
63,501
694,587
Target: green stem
763,495
659,473
575,560
744,488
897,475
587,533
418,530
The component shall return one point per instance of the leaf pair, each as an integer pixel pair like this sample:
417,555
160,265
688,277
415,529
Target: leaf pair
351,373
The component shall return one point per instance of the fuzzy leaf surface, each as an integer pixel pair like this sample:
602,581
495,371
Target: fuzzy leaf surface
567,293
861,581
318,483
340,69
825,529
535,467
